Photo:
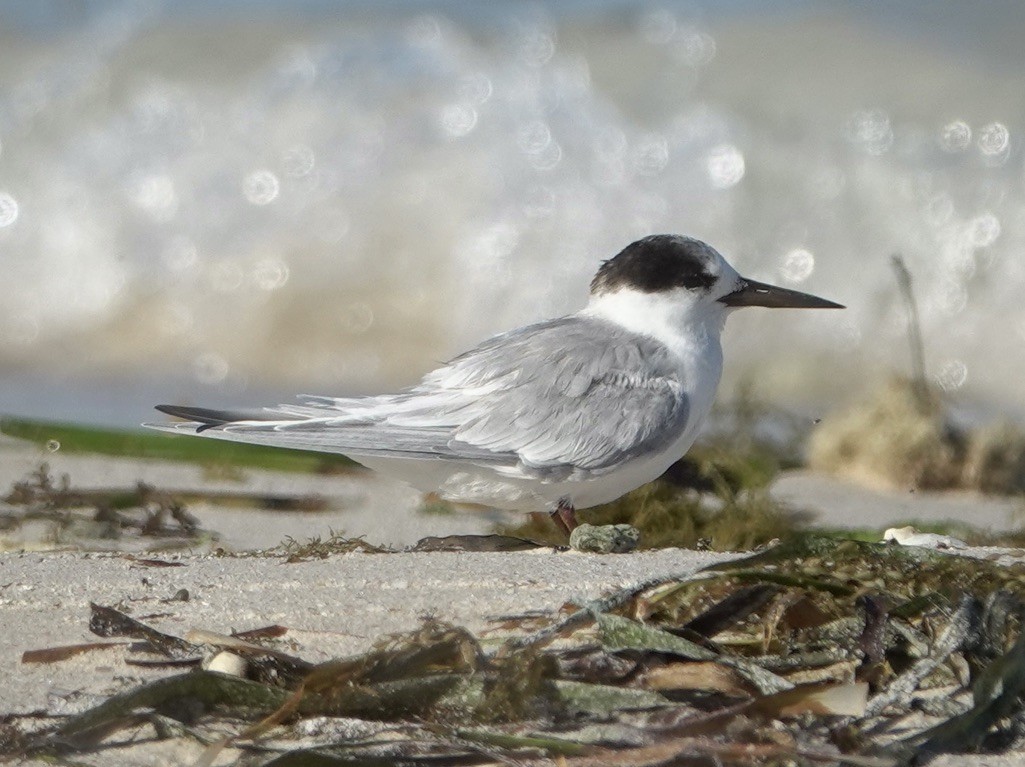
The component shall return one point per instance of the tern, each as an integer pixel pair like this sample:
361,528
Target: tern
560,415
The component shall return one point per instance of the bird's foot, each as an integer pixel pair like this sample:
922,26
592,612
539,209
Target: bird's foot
565,516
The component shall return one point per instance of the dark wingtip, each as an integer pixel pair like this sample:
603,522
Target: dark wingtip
208,418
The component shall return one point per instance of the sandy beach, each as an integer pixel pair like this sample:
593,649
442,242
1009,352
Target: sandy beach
331,607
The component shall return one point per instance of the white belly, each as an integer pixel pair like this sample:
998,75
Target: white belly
471,483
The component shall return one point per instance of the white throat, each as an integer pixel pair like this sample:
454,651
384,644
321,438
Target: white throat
682,322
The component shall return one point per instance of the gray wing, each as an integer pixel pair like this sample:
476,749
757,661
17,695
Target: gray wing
564,396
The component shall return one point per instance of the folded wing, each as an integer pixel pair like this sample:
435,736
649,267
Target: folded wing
573,395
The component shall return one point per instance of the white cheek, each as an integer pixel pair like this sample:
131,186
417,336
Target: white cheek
677,317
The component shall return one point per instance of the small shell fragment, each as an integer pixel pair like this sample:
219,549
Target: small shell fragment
227,663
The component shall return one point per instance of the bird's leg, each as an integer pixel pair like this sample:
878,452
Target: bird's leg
565,516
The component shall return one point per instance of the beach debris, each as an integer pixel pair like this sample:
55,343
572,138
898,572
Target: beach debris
225,662
338,543
151,562
318,548
816,650
99,517
274,631
197,647
909,536
118,517
263,660
493,543
891,441
107,621
604,539
65,652
996,696
919,382
995,460
903,437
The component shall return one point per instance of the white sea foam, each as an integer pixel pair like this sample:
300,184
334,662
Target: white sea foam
333,205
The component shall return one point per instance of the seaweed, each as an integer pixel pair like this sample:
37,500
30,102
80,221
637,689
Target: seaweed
815,650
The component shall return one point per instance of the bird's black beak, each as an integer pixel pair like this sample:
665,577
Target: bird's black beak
752,293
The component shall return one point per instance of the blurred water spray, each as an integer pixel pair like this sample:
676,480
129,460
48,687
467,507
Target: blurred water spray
334,200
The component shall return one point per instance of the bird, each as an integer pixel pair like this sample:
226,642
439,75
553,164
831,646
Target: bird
564,414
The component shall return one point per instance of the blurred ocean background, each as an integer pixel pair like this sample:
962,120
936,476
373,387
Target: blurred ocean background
227,203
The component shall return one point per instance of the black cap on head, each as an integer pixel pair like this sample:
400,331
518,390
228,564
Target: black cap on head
659,262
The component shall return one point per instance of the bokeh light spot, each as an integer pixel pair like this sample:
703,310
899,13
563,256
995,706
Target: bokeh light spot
270,274
871,130
537,47
983,230
952,375
8,209
547,158
797,265
458,120
956,136
261,187
994,139
155,194
695,48
725,165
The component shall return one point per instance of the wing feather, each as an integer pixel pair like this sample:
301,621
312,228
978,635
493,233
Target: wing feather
570,395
